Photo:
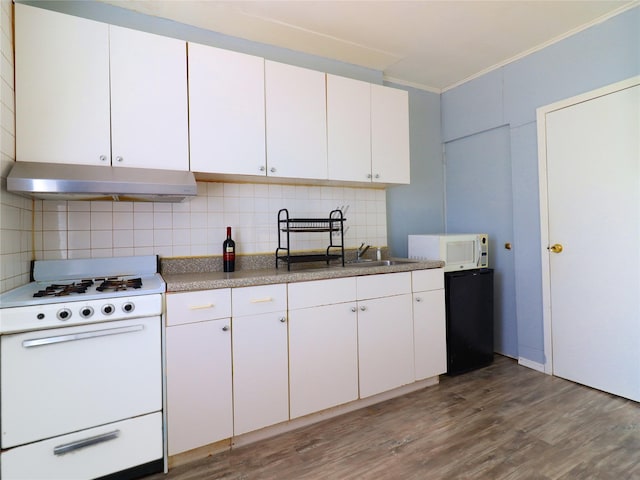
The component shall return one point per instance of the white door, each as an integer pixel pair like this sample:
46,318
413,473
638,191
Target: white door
226,111
260,371
390,156
593,186
323,357
296,121
149,122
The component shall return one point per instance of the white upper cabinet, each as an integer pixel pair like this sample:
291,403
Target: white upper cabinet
149,124
296,122
367,132
390,158
226,111
91,93
348,129
62,88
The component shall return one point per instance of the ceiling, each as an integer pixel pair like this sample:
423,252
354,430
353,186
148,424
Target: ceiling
428,44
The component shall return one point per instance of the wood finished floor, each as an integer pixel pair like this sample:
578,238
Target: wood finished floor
501,422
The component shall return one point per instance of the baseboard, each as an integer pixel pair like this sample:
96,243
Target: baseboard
531,364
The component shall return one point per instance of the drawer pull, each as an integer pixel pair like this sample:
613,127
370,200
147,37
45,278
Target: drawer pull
201,307
85,442
261,300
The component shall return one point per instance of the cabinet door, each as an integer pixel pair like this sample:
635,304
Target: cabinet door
348,129
199,399
385,344
226,111
62,88
149,123
429,330
296,121
390,159
323,357
260,371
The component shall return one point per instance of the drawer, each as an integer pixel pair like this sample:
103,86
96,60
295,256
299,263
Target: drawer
321,292
424,280
189,307
383,285
109,449
259,299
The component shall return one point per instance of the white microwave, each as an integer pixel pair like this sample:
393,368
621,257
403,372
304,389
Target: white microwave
459,251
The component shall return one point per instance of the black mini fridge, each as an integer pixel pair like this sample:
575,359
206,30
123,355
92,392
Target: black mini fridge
469,313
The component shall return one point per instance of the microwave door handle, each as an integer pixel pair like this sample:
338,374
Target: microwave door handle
479,253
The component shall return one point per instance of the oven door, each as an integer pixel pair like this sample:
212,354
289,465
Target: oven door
63,380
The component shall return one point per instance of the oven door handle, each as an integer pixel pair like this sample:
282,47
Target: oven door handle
37,342
85,442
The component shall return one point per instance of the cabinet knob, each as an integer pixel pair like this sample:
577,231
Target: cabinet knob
368,175
354,309
262,168
119,159
377,175
225,328
103,158
283,319
272,169
418,299
363,308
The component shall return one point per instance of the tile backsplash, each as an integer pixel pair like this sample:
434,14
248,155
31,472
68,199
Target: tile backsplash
76,229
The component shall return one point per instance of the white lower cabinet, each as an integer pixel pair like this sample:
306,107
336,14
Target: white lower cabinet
198,359
260,357
429,325
243,359
323,345
385,332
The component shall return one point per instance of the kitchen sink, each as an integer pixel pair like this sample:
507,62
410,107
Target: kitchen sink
381,263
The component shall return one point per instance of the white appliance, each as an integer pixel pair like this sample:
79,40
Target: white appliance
81,371
459,251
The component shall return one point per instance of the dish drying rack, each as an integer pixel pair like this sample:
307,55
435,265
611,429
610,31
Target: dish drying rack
333,225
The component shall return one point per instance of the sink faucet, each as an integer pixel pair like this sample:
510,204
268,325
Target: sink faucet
362,249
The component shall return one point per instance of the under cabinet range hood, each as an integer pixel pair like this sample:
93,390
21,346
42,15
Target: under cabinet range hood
57,181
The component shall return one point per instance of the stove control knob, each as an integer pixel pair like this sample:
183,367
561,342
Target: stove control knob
128,307
64,314
108,309
86,312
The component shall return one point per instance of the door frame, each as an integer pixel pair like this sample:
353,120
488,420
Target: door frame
541,115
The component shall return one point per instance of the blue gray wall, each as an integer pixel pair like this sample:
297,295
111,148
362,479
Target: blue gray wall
603,54
419,207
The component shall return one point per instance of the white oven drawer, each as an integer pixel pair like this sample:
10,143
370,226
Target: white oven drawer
68,379
88,454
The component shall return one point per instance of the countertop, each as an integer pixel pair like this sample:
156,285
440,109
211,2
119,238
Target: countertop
182,282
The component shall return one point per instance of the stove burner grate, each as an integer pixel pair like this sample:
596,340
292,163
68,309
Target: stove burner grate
110,284
61,290
115,284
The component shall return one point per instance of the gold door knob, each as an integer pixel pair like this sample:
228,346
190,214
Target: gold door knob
507,246
556,248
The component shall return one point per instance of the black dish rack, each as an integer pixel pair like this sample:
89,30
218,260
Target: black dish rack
333,226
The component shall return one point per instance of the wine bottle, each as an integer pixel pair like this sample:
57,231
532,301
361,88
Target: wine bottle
229,253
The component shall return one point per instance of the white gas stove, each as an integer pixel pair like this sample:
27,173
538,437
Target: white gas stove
81,291
83,340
